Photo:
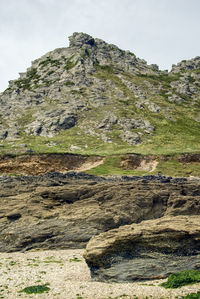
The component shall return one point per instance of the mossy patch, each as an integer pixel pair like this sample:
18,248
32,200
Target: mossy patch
70,63
31,77
179,279
37,289
164,79
192,296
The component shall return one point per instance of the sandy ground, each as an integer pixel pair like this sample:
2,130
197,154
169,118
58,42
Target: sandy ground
68,277
89,165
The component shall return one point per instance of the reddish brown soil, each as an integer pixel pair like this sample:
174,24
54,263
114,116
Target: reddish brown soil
44,163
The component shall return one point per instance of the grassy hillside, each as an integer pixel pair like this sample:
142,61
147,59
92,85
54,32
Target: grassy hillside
96,99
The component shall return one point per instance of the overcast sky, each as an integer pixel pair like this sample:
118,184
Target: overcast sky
160,31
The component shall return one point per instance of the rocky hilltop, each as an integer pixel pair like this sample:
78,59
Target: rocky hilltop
95,95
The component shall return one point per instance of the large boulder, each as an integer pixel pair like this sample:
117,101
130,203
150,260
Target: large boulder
150,250
77,39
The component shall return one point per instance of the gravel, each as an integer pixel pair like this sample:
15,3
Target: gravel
68,277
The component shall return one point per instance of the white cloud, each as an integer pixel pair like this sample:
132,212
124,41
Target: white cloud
161,31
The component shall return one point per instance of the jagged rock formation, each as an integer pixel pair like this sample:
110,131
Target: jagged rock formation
150,250
96,90
65,210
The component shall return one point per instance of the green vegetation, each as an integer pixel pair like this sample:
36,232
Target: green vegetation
110,72
69,83
192,296
173,167
107,68
50,72
183,278
164,79
51,259
167,165
110,166
81,91
25,118
176,129
49,62
48,82
124,296
75,259
31,77
85,54
70,64
37,289
131,53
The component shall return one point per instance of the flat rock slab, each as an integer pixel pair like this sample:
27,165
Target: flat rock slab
149,250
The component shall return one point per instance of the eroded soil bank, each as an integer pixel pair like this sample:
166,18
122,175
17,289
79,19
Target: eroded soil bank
44,163
184,165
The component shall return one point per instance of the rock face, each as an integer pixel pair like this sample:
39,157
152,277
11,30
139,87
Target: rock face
57,211
150,250
96,91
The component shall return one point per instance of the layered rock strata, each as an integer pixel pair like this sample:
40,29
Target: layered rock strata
65,210
149,250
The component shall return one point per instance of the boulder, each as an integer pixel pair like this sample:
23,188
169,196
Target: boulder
79,38
149,250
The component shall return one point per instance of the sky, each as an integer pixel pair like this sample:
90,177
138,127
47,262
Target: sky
160,31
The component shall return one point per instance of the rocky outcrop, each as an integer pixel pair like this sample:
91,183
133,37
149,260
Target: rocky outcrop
149,250
60,85
97,91
186,65
65,210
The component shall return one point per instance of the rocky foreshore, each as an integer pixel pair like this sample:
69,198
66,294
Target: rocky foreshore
62,211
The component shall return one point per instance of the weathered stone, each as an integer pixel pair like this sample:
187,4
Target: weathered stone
130,137
66,210
186,65
150,250
79,39
175,98
76,85
47,124
108,122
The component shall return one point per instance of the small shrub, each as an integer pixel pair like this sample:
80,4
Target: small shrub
192,296
85,54
70,64
26,82
50,72
49,61
107,68
38,289
182,278
69,83
132,54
